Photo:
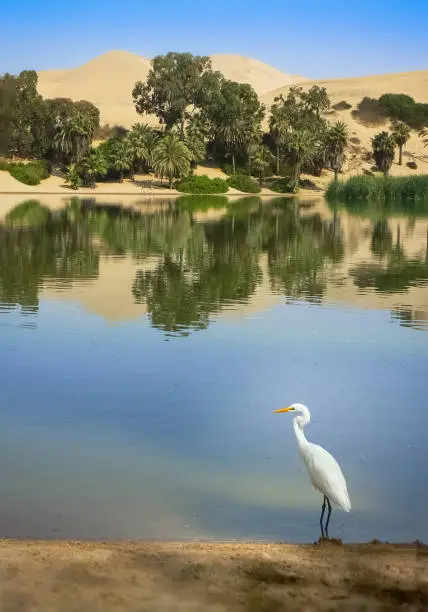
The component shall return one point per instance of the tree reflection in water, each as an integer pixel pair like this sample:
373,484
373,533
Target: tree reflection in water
193,264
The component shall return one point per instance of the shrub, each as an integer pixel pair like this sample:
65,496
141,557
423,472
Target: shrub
4,165
228,169
404,108
281,185
370,111
378,188
243,182
412,165
201,184
28,214
31,173
341,106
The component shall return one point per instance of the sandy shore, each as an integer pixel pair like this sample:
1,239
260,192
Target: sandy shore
76,576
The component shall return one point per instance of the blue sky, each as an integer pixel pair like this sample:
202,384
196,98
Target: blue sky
313,38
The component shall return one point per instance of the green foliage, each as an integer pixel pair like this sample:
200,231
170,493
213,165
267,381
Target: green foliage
177,84
401,134
243,182
31,173
424,135
235,115
107,131
201,202
383,145
370,112
7,106
377,188
393,106
73,178
262,162
228,169
341,106
171,158
337,139
29,118
28,214
404,108
281,185
202,184
301,128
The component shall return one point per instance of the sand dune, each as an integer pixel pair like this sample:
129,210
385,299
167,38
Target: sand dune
108,80
414,83
247,70
353,90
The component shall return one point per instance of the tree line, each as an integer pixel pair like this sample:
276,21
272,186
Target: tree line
201,114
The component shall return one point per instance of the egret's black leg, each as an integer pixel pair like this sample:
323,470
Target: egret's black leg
328,516
322,516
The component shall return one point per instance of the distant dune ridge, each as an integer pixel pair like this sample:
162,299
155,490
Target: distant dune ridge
108,80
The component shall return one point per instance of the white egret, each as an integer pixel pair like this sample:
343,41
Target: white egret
323,469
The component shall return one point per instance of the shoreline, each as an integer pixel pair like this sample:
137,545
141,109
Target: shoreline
181,576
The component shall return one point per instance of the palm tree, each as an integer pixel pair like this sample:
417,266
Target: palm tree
142,141
401,134
233,134
277,128
171,158
73,137
196,146
337,141
91,166
262,160
383,145
302,146
424,135
121,157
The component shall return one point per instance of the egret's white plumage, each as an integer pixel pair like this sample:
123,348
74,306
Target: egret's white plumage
323,469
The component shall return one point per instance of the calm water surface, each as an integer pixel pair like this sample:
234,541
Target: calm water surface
143,349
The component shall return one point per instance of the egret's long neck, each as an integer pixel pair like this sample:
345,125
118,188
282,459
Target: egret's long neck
298,430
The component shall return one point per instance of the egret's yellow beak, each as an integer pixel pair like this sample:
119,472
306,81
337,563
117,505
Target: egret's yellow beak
289,409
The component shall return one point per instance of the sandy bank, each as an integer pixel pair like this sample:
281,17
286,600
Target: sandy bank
54,185
55,575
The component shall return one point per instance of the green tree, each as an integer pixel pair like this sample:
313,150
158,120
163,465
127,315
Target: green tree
194,141
401,134
93,164
74,136
336,143
424,135
7,102
29,118
277,129
303,129
235,115
175,87
383,146
262,161
142,141
171,158
316,100
121,157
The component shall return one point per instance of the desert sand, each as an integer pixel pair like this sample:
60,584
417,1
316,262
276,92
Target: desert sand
353,90
105,577
108,81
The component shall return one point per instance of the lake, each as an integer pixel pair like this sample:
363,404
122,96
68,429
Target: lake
145,344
